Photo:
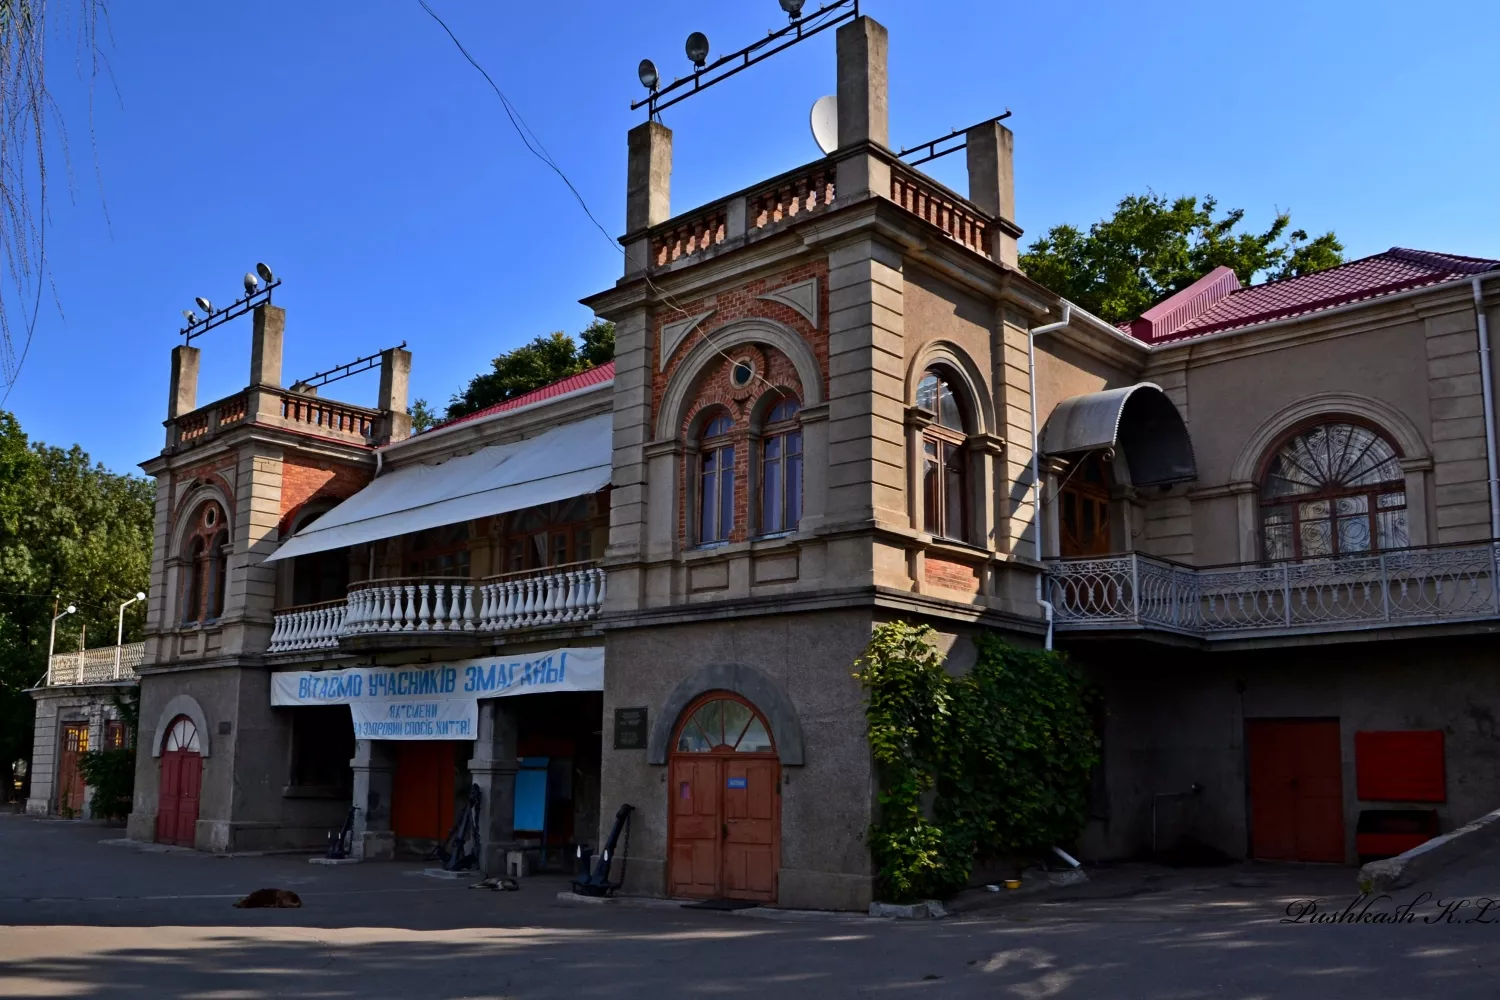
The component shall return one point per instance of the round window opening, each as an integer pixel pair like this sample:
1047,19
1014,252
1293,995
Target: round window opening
210,517
742,373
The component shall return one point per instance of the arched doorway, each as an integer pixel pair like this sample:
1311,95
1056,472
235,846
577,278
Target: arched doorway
181,780
724,821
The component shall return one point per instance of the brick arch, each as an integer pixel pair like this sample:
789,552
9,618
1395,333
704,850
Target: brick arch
681,392
205,492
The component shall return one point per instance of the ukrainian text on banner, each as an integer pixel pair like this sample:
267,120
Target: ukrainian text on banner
437,701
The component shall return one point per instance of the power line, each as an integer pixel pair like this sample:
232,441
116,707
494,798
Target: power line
540,152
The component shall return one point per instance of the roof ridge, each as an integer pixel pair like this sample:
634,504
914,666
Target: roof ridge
590,376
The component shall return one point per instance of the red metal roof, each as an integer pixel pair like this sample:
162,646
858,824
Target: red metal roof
573,383
1208,307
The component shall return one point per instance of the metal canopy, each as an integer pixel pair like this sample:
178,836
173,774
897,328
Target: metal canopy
1139,419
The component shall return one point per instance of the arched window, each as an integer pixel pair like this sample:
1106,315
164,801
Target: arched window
1333,488
182,736
945,493
205,558
715,480
723,723
781,468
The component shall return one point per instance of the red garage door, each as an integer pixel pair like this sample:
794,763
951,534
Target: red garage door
1296,790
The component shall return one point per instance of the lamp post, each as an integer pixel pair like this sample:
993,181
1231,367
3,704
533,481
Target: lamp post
120,633
52,639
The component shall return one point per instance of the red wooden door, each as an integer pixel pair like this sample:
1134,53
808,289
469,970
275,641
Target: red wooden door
422,793
181,783
697,829
724,814
1296,790
751,822
75,740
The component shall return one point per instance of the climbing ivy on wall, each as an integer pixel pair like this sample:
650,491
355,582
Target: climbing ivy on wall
994,763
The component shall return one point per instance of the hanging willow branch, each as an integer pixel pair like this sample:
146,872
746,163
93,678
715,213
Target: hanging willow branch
28,114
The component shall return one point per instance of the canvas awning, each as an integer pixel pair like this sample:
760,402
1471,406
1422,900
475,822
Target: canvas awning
1138,418
567,461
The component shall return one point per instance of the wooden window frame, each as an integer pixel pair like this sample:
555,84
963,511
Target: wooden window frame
782,432
717,445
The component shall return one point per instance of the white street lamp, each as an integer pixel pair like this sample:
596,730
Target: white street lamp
52,640
120,632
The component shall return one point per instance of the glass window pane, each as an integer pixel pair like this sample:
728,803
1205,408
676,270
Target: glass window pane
708,505
1393,500
793,442
1354,533
736,716
1391,525
1314,529
954,525
770,495
927,392
1278,535
710,718
726,495
692,739
772,448
756,739
931,512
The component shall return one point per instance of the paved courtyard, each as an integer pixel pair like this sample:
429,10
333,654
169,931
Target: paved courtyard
83,918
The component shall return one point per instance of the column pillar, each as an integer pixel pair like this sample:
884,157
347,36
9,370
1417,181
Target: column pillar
864,111
992,187
648,190
265,344
395,379
493,768
374,766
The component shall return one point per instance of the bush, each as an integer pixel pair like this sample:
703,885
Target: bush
111,776
996,762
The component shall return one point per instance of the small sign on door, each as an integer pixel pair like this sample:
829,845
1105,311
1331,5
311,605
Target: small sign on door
736,782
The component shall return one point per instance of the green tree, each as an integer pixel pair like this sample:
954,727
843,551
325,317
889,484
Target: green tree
422,417
70,532
1154,246
531,366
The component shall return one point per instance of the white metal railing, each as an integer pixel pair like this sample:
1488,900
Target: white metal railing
1405,586
532,599
96,666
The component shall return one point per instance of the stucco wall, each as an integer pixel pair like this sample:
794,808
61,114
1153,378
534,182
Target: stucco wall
826,802
1176,718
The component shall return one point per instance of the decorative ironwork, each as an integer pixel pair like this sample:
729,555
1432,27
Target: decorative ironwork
1334,488
1330,593
931,147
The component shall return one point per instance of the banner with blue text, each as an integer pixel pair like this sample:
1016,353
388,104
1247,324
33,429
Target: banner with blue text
438,701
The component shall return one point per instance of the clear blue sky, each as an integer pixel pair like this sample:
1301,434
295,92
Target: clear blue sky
351,147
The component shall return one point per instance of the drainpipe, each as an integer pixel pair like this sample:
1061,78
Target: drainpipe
1489,405
1036,466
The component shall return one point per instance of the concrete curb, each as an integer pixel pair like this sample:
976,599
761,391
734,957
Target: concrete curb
753,913
1425,859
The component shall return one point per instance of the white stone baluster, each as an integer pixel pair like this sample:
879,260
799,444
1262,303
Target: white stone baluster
409,614
299,635
571,605
470,622
502,606
439,607
383,610
354,605
486,606
278,629
424,612
599,600
530,610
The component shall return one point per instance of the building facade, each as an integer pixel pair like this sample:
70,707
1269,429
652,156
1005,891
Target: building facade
1263,520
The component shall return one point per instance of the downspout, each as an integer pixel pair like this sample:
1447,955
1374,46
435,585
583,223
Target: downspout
1489,405
1036,465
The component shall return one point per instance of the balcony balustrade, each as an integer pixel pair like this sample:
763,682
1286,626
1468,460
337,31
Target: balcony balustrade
448,606
96,666
1324,594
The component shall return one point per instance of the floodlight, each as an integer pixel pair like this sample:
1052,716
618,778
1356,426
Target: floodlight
648,75
251,283
190,316
793,8
204,304
265,273
697,49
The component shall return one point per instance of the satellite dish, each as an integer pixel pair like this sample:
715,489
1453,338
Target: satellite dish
825,123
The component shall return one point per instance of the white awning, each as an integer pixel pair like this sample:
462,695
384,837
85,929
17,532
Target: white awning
568,461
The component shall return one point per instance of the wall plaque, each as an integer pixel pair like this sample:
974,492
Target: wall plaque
630,729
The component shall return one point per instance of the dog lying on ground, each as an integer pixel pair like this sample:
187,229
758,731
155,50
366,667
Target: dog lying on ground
281,899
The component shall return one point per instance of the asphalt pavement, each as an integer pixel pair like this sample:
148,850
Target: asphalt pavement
82,915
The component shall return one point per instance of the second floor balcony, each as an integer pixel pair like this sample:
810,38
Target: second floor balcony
105,665
1403,587
412,609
